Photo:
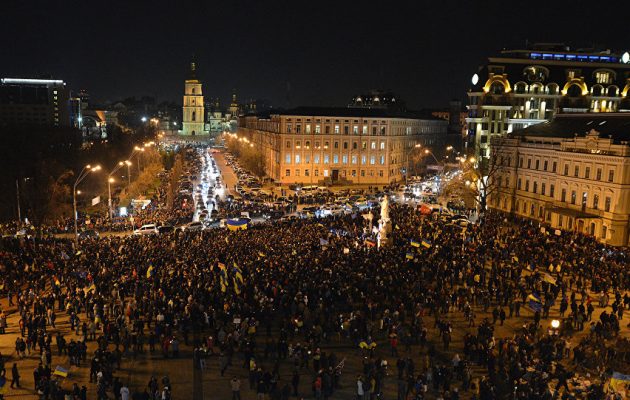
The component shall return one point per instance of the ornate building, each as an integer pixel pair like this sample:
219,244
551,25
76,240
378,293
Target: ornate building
572,173
519,88
193,111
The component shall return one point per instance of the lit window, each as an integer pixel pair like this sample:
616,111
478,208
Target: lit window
382,160
287,158
318,129
297,158
287,172
372,160
308,128
344,159
354,159
363,158
373,145
336,159
355,129
326,158
316,159
297,172
337,129
382,145
364,129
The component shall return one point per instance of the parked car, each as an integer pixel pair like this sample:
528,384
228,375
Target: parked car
89,234
147,229
164,229
195,226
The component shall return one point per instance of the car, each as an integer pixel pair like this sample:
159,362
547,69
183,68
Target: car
194,226
89,234
148,229
165,229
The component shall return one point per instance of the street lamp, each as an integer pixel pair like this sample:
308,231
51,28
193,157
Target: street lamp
82,175
109,191
415,146
143,119
128,164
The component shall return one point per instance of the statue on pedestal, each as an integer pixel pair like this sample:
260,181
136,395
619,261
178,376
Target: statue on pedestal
384,224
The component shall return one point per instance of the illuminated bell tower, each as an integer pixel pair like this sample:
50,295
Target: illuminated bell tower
193,110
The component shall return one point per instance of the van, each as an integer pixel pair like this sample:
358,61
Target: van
147,229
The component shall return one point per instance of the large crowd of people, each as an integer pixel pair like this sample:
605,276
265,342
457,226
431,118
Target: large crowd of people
272,299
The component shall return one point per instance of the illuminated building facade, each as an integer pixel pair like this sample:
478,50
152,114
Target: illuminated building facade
26,102
520,88
193,116
572,173
314,145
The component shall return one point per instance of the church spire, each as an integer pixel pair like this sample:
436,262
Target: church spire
193,68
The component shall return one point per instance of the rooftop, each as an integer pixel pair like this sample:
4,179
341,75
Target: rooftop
354,112
613,125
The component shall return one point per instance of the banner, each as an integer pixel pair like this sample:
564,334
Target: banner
620,383
96,200
534,302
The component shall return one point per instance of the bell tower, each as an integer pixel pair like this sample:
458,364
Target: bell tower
193,110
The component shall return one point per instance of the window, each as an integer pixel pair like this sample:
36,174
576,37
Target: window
584,199
576,171
542,188
307,144
308,128
326,144
604,231
566,169
545,165
287,158
316,159
194,116
563,195
529,163
288,144
344,159
354,159
287,172
336,144
326,158
364,145
345,145
345,130
316,172
325,172
527,185
382,131
598,175
355,129
372,160
552,190
336,159
307,158
373,145
519,184
611,175
297,172
362,173
382,145
364,129
288,128
573,197
380,173
374,131
555,166
354,172
587,172
354,145
607,204
537,164
520,162
307,172
298,144
337,129
535,187
327,129
382,160
602,77
595,201
298,128
560,221
297,158
363,158
317,145
318,129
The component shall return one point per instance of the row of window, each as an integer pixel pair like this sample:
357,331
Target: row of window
337,129
355,145
335,159
554,166
343,173
563,195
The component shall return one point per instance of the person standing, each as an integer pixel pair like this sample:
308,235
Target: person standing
124,393
15,377
236,388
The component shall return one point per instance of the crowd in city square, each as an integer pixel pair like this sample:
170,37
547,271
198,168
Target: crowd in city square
296,304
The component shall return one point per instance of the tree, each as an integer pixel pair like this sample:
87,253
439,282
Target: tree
249,156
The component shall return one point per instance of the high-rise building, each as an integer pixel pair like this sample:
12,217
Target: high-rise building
339,145
193,110
34,102
519,88
572,173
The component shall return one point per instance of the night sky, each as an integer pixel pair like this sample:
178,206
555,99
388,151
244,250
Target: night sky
319,52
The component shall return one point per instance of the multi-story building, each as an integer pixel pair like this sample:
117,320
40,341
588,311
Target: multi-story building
519,88
312,145
26,102
572,173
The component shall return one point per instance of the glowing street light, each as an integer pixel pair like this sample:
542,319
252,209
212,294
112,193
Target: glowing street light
143,119
82,175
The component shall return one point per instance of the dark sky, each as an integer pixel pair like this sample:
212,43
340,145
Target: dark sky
324,52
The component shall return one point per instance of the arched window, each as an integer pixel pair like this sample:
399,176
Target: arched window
597,90
520,87
194,116
497,88
552,88
612,91
574,91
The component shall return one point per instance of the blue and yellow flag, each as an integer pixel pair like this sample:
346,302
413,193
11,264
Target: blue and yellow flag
415,243
619,382
150,271
409,256
223,277
426,243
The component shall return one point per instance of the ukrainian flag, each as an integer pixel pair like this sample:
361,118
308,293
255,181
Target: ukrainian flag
415,243
223,277
409,256
619,382
426,243
150,271
60,371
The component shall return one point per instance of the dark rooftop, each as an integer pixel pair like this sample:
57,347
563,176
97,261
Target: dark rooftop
615,125
355,112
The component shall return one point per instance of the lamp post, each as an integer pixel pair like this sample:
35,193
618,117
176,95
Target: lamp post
82,175
109,192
